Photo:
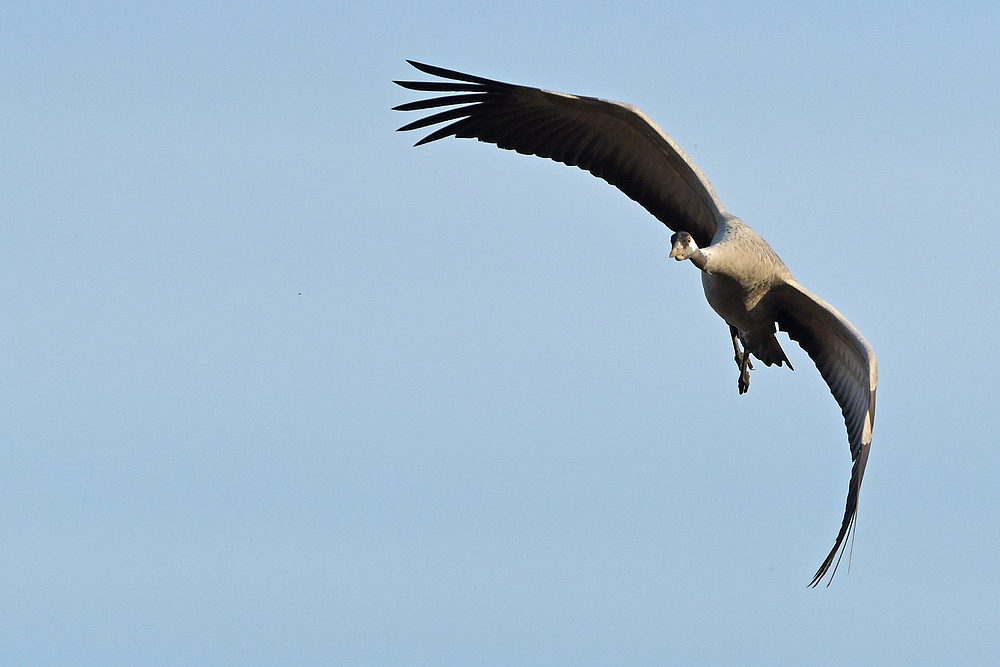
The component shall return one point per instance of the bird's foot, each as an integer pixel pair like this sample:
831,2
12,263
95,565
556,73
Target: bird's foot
742,360
743,382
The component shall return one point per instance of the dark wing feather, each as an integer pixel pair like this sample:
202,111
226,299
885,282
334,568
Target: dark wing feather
847,364
614,141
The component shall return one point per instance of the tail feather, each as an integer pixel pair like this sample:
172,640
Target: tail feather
770,352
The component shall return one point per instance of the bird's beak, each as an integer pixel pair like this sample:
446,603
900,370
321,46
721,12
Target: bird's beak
675,251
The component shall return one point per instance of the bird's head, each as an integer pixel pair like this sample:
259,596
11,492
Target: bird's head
682,246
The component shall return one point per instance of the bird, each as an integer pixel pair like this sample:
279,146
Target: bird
744,280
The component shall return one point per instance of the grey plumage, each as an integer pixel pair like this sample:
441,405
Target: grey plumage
745,281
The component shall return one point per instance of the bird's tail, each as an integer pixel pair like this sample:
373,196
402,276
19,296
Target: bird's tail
770,352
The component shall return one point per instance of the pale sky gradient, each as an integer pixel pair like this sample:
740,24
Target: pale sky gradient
280,389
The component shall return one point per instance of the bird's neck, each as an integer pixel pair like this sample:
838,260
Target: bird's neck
699,258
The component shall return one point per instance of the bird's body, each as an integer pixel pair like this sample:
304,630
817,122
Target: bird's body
745,281
738,290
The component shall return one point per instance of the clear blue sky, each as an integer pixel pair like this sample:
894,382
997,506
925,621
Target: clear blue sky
278,388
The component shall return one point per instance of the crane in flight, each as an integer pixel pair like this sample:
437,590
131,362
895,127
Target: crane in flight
744,280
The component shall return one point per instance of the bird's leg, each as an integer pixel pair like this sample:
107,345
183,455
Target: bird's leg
736,347
743,382
742,361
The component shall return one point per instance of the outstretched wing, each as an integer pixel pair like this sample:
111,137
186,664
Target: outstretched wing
847,364
614,141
